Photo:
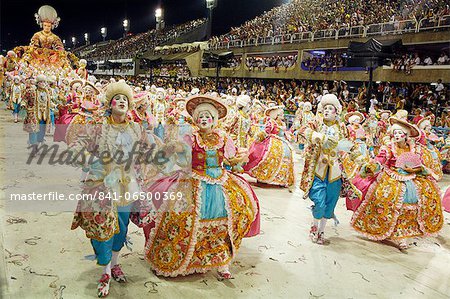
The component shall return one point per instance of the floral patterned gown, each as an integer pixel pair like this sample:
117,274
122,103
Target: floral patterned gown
397,204
205,228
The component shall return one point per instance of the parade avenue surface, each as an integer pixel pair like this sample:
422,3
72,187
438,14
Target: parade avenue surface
43,258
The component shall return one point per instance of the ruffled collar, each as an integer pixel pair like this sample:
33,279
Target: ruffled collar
211,141
396,151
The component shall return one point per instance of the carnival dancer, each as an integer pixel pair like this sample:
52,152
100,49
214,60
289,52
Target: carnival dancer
54,101
88,112
140,106
15,98
105,219
307,117
417,115
402,200
322,177
371,129
446,201
159,110
11,63
81,70
7,84
382,129
68,110
445,154
429,139
296,126
142,115
37,103
270,156
47,19
356,132
258,117
216,211
179,120
240,124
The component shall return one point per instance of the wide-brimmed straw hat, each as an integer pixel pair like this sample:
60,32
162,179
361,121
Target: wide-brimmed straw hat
196,100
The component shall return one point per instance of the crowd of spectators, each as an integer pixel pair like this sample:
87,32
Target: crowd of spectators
129,46
430,98
314,15
409,96
277,62
235,62
326,63
408,61
173,50
118,67
176,69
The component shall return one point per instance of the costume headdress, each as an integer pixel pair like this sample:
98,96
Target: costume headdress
198,103
117,88
424,122
92,86
273,108
354,116
399,124
76,81
243,100
331,99
47,14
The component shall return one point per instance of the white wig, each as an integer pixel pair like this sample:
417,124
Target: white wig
404,129
354,118
47,14
424,123
307,106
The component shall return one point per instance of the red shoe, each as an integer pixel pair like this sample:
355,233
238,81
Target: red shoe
103,286
118,274
313,233
402,245
225,274
321,239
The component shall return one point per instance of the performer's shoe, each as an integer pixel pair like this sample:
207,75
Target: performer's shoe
321,239
118,274
313,233
402,245
224,273
103,286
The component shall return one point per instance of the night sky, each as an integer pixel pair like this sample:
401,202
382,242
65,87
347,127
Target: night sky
79,16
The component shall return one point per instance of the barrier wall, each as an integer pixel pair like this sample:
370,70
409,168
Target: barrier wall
419,74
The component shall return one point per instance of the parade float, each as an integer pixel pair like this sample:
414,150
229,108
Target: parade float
45,54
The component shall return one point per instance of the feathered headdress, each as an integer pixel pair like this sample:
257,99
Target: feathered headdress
47,14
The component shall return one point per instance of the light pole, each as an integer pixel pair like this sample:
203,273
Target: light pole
86,38
64,43
74,41
126,26
159,19
104,32
210,4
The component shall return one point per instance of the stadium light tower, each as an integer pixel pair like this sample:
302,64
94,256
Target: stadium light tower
104,32
159,19
126,26
74,41
86,38
210,4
